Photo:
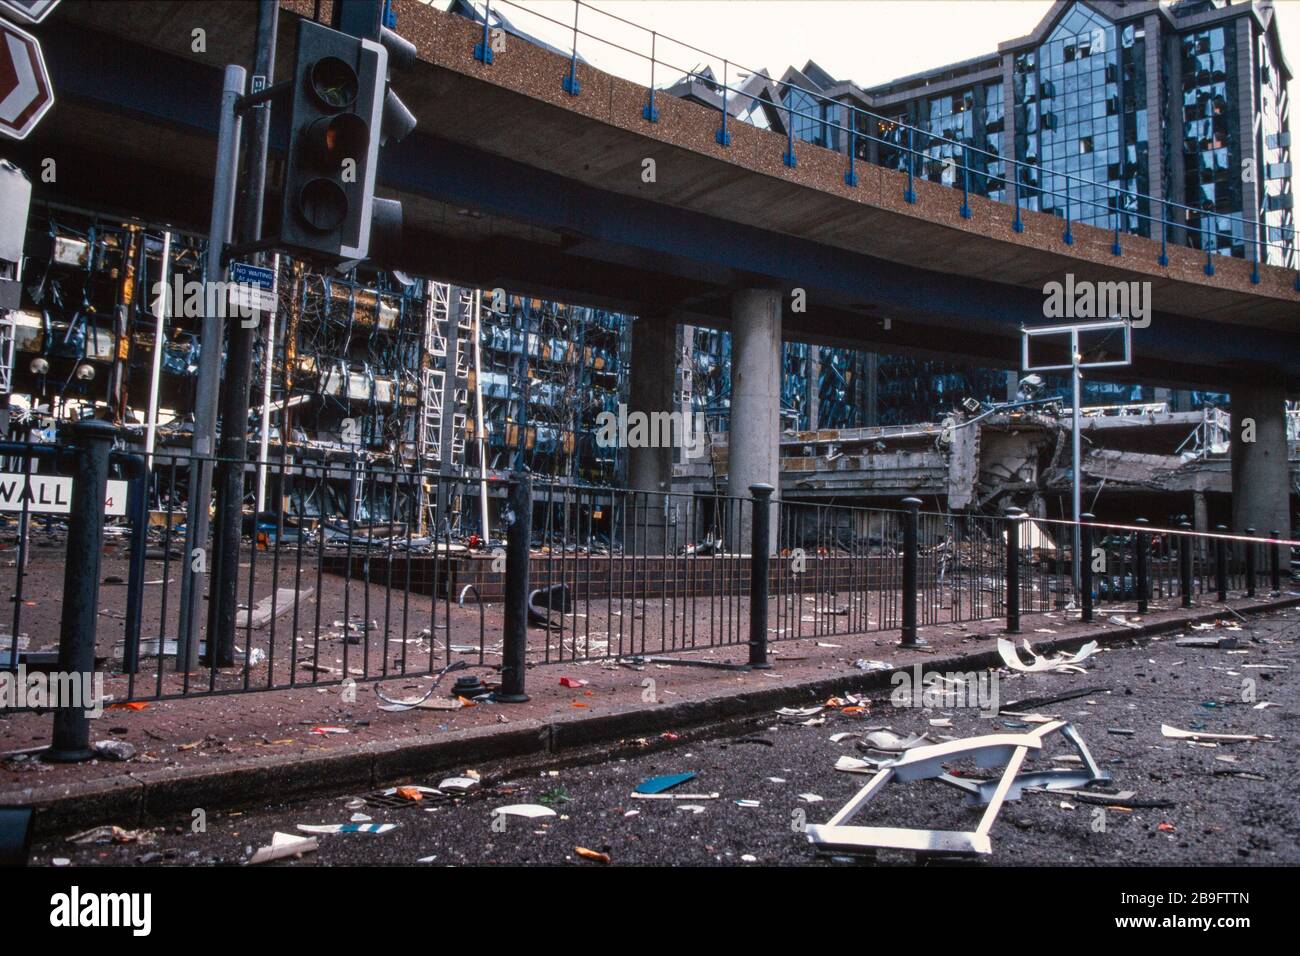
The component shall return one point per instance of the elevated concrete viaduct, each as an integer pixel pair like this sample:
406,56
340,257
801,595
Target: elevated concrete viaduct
510,181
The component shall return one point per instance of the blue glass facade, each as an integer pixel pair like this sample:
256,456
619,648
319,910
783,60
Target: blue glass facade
1081,121
1212,179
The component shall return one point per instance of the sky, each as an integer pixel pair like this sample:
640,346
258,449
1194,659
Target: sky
867,41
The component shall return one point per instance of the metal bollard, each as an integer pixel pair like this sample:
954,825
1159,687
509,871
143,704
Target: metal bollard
93,441
515,647
759,564
1275,562
1251,572
1185,544
1142,547
1221,562
1085,566
1013,570
910,521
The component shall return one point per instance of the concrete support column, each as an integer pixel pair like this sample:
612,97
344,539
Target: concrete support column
754,445
814,387
871,390
652,391
1200,520
1261,479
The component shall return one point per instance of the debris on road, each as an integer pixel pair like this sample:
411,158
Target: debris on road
652,785
529,811
346,827
1060,664
1175,733
284,845
927,763
1222,643
108,834
887,741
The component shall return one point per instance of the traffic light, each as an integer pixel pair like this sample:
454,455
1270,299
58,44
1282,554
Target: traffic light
341,112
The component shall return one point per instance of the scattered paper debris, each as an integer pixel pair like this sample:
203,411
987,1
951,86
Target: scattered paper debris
284,845
530,811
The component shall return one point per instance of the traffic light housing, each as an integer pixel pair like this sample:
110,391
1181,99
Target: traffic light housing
341,111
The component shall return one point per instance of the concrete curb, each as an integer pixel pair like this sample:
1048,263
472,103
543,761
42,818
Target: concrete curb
152,797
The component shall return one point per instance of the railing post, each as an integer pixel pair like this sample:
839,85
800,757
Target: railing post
851,177
571,84
1115,248
483,50
911,519
1275,562
1164,233
1251,571
93,440
1254,272
1085,566
1013,570
648,112
760,550
1221,562
1185,545
722,136
1068,236
515,649
1142,551
790,159
909,194
137,509
965,181
1017,224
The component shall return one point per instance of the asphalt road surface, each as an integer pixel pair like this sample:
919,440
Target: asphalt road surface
1192,803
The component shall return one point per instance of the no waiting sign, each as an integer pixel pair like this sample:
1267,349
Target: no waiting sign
52,494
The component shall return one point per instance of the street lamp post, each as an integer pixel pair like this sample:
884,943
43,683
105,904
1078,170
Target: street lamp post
1077,362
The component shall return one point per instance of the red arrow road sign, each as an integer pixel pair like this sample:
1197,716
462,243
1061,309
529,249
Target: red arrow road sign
25,91
28,11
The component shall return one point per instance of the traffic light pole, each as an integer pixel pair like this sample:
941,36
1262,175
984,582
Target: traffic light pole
195,560
239,361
